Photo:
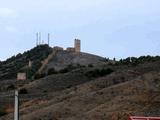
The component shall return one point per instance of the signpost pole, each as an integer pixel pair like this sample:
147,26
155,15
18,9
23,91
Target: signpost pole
16,106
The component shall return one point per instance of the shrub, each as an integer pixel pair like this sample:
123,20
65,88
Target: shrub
30,73
104,72
71,67
2,112
18,63
65,70
78,66
90,65
11,87
38,76
106,59
45,91
52,71
23,91
99,72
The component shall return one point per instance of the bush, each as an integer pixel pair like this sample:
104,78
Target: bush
78,66
99,72
65,70
104,72
38,76
90,65
11,87
135,61
71,67
45,91
18,63
2,112
23,91
52,71
106,59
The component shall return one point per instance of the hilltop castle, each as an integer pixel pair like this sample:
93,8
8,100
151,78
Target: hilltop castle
76,48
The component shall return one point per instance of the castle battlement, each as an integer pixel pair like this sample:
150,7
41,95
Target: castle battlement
76,48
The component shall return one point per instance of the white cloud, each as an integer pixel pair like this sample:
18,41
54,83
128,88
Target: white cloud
7,12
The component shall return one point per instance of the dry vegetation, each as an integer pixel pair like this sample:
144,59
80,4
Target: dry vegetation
101,92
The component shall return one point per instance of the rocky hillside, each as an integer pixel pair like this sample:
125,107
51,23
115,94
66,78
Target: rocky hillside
63,59
19,63
111,91
80,86
37,55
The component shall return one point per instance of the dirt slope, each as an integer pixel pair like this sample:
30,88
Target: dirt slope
127,91
63,58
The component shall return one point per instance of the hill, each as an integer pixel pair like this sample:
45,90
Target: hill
19,63
63,59
84,88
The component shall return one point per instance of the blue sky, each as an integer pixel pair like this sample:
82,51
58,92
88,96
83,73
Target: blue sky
109,28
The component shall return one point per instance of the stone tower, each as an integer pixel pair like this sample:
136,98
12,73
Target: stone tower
77,45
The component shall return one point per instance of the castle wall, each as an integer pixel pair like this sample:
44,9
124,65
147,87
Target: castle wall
70,49
56,48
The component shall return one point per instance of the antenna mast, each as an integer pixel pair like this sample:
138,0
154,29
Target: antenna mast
48,39
39,38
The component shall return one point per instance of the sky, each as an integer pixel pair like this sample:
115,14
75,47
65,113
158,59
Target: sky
108,28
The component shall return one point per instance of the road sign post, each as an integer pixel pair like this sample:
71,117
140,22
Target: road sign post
16,106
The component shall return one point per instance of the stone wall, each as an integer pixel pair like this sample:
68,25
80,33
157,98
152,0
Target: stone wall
70,49
57,48
77,45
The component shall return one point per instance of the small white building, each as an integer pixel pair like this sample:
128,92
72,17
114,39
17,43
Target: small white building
21,76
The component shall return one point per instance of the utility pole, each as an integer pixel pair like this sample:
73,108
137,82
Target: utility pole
37,39
16,106
48,39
